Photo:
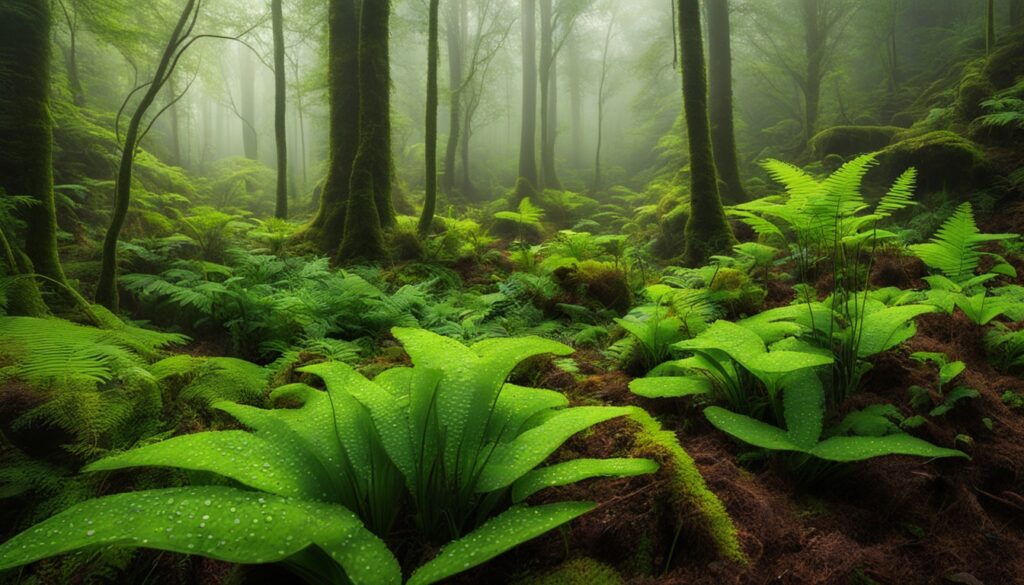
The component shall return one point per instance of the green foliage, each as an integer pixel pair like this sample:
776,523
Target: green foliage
581,571
527,217
1005,108
448,436
955,249
1005,348
211,380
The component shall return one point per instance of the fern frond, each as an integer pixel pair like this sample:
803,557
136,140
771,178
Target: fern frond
900,195
955,248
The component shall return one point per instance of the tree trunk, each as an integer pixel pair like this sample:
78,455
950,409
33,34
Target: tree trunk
369,204
815,53
430,201
71,57
174,123
707,231
1017,15
576,104
106,289
455,20
343,90
551,173
26,144
990,27
528,179
247,78
280,111
601,96
546,58
723,136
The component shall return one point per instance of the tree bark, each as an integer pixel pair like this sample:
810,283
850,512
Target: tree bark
601,97
455,21
707,231
26,144
430,200
547,168
280,111
106,290
369,204
723,136
576,104
1017,14
343,90
990,27
528,180
247,79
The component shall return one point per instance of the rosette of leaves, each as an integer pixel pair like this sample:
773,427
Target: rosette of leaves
447,447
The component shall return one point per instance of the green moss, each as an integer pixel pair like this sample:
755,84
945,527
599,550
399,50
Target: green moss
737,291
210,380
944,161
848,141
581,571
687,484
670,242
974,88
596,284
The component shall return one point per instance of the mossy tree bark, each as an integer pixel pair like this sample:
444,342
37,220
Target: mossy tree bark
328,226
430,201
280,111
455,23
527,183
707,230
369,205
26,138
106,289
723,135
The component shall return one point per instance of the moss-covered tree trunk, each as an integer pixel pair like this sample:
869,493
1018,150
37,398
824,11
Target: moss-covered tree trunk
707,230
369,204
455,36
106,288
527,183
26,134
723,135
280,111
328,226
430,201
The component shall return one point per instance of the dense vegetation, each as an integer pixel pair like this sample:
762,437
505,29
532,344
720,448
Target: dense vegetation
474,291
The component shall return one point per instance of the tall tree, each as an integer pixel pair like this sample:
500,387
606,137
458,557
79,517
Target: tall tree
71,51
26,145
547,178
106,289
1017,14
369,204
990,26
527,183
280,111
455,34
328,226
602,98
723,135
247,97
430,201
707,230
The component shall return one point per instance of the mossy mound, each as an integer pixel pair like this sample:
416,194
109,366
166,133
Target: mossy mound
671,240
581,571
944,160
848,141
735,289
598,285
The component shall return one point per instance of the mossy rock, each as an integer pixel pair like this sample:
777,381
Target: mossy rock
944,161
671,240
975,87
581,571
1006,64
849,141
599,285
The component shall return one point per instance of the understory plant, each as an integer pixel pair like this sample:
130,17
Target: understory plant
446,451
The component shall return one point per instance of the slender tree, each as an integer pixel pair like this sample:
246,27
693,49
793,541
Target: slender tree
106,289
247,97
71,51
723,136
547,178
280,111
455,34
1017,14
369,204
990,26
527,183
430,201
602,98
328,226
26,147
707,230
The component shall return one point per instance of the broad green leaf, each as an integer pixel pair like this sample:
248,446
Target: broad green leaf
736,341
271,466
670,386
218,522
889,327
783,362
512,460
516,406
750,430
803,399
859,448
575,470
515,526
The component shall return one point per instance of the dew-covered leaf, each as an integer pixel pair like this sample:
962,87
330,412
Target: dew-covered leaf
859,448
670,386
575,470
218,522
503,532
749,430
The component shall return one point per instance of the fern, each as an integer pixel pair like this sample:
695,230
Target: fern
955,249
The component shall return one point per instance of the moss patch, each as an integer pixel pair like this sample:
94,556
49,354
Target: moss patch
848,141
944,160
581,571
